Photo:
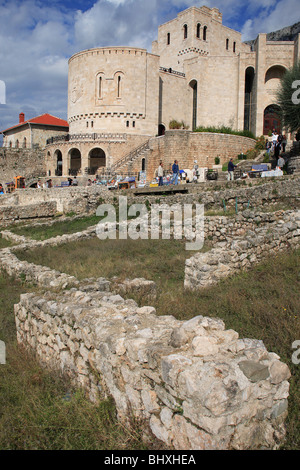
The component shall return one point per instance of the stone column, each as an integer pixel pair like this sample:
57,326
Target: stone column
259,83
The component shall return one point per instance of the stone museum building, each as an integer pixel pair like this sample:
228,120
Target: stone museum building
199,72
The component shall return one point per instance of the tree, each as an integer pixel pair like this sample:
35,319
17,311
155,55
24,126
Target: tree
288,98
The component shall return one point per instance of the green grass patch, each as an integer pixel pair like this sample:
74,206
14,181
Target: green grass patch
61,227
4,243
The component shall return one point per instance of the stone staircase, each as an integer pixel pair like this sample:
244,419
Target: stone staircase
125,164
293,158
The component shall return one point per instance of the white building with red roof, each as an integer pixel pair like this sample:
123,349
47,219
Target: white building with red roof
34,132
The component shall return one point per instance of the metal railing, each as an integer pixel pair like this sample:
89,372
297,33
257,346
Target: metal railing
103,136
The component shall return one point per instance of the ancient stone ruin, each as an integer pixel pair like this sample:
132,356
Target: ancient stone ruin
194,384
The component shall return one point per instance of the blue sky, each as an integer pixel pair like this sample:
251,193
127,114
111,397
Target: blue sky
38,37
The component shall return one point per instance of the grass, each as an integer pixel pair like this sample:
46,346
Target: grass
61,227
40,410
4,243
262,303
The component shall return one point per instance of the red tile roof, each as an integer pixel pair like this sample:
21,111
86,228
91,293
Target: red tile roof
45,119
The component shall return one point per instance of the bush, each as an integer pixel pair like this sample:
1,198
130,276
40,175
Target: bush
174,124
225,130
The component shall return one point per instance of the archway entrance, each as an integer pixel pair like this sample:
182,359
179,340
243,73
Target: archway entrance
161,129
194,86
97,159
59,163
272,119
75,162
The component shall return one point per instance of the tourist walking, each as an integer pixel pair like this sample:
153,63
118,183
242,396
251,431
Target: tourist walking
160,174
230,170
175,170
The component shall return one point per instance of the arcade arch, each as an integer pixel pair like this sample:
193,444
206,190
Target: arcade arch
96,160
75,161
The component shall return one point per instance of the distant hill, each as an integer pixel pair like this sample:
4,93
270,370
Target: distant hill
288,33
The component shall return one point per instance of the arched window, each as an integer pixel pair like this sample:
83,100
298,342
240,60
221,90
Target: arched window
24,143
185,31
248,98
99,85
17,144
205,33
168,39
198,30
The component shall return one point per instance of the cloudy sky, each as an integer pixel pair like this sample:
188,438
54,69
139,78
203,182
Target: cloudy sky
38,37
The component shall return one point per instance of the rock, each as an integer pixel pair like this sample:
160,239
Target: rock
254,371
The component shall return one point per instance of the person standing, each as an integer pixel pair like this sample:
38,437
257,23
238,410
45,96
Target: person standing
283,143
175,170
160,174
230,172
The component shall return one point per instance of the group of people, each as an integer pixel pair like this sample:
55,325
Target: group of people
276,144
45,184
175,173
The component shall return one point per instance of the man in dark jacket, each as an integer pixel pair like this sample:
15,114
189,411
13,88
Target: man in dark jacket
231,167
175,170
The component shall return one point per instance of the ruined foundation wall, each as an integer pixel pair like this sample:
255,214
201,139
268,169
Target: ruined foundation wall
196,384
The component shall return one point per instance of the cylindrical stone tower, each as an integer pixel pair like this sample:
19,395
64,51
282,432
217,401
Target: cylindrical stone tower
115,90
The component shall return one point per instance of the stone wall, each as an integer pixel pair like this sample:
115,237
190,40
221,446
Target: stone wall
245,248
187,146
9,214
196,384
84,200
21,162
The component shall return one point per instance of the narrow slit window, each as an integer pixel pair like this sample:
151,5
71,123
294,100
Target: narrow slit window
185,31
204,33
168,39
100,87
198,32
227,44
119,86
234,46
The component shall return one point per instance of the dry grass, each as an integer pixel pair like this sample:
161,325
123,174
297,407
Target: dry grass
40,410
262,303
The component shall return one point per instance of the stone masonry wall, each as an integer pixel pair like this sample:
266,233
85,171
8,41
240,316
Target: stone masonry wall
21,162
196,384
249,246
83,200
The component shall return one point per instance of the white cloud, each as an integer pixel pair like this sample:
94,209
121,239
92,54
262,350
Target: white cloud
38,37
